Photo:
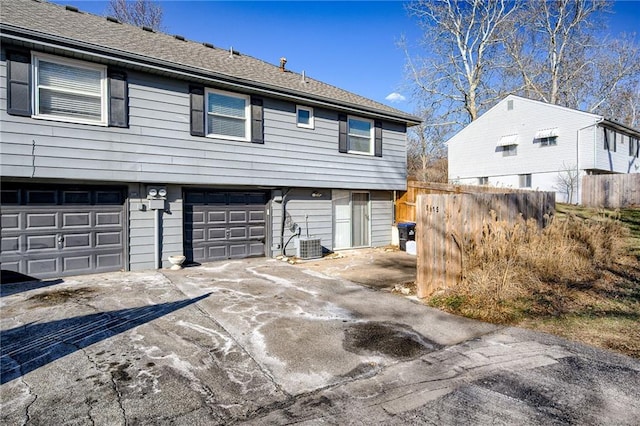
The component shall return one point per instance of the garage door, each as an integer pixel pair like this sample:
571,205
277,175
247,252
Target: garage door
223,225
59,231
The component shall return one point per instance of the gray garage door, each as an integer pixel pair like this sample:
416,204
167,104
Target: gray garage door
59,231
223,225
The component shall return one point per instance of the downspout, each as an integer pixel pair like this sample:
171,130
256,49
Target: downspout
156,242
283,219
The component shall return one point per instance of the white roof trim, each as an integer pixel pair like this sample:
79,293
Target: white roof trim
547,133
508,140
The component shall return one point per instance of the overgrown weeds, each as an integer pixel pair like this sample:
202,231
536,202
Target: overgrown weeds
512,273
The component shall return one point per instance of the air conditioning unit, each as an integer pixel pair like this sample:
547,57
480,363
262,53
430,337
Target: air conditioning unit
308,248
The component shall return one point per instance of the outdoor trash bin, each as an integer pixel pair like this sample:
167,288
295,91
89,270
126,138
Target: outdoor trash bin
406,232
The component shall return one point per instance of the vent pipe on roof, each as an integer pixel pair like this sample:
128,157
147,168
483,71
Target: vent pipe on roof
304,79
283,62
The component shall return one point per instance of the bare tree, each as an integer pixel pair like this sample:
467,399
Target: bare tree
426,150
559,53
141,13
567,182
462,40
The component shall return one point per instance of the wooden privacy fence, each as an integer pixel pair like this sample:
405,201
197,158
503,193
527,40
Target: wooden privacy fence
611,191
447,223
406,202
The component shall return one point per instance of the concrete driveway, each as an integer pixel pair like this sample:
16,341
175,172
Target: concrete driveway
260,341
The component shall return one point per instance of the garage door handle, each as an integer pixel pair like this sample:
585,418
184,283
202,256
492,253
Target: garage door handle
60,240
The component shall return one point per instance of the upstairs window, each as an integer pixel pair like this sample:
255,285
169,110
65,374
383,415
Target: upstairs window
610,142
69,90
509,150
360,136
228,115
304,117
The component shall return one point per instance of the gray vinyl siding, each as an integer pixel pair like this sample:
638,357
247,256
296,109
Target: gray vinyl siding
381,218
142,231
298,204
157,147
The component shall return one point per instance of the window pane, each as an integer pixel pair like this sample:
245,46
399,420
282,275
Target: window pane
69,104
359,128
69,77
227,126
226,105
303,116
359,144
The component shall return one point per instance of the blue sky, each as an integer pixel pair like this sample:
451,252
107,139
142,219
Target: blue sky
349,44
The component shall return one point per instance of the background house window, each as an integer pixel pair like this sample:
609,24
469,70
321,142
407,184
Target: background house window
304,117
634,147
525,181
549,141
228,115
610,140
509,150
360,136
483,180
69,90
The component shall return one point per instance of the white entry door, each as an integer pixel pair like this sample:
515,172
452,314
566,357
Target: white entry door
351,219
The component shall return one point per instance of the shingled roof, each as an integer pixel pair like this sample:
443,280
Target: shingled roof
41,21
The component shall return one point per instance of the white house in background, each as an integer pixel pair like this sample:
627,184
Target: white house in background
522,143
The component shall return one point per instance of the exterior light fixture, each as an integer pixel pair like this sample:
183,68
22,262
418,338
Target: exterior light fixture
316,194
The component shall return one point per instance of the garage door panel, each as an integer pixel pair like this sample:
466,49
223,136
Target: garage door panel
216,234
238,233
104,239
42,242
42,220
10,221
216,253
109,261
77,241
236,216
70,220
10,244
76,264
216,218
256,232
108,219
76,197
233,219
256,216
48,266
238,250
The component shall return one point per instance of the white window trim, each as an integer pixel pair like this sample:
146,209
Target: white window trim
311,124
36,57
247,115
371,136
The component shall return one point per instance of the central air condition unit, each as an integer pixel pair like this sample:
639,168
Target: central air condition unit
308,248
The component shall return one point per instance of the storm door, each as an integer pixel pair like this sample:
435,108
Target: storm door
351,219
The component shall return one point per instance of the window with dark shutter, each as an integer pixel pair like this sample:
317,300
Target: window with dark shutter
196,95
118,99
18,83
257,120
342,132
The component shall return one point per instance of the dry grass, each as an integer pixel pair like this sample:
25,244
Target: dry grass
579,277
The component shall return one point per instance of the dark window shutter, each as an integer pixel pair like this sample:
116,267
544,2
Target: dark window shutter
118,99
196,95
342,133
378,138
257,120
18,79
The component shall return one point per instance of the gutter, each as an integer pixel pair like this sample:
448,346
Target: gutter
188,72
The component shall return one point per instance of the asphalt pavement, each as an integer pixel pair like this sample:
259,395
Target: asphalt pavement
260,341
